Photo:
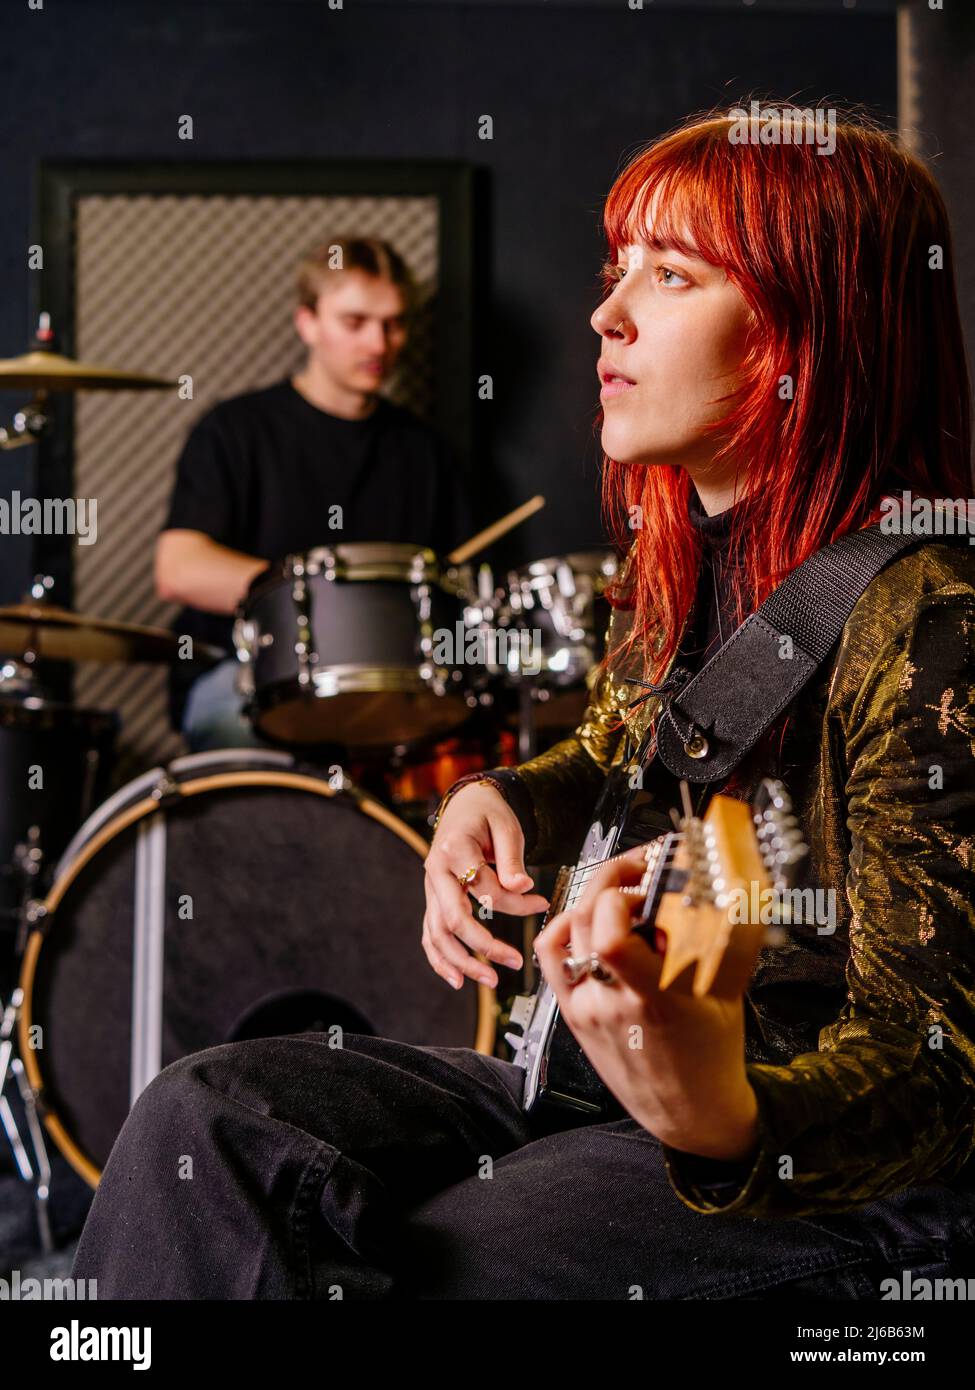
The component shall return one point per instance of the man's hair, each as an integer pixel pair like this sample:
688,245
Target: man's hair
324,262
854,381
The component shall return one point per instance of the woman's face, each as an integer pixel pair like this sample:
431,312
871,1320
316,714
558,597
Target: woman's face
676,327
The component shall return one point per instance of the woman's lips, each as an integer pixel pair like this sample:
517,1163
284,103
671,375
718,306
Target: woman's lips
615,387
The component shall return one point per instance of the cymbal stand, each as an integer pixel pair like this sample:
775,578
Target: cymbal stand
28,424
42,1177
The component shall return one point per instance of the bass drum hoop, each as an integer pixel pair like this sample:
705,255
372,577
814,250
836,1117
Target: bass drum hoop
486,1003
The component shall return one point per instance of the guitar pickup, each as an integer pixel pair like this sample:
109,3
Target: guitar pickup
522,1010
520,1015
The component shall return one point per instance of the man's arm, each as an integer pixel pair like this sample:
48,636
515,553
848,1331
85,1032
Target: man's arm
202,559
194,569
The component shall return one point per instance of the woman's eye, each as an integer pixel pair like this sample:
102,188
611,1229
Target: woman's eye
666,275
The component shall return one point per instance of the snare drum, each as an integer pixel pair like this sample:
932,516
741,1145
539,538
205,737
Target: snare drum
234,894
346,645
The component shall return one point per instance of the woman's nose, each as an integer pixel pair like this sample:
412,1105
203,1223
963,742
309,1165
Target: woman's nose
607,321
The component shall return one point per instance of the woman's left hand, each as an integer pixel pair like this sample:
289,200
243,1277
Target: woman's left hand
675,1063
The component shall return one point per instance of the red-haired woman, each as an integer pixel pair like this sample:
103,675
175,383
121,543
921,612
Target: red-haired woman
780,351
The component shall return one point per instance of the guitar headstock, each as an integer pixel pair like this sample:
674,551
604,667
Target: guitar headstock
712,890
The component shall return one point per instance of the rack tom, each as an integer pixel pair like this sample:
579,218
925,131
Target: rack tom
355,644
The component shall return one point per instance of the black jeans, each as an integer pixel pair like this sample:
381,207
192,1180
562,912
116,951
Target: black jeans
286,1168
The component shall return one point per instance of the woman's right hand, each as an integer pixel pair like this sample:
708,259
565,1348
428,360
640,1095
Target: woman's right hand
477,828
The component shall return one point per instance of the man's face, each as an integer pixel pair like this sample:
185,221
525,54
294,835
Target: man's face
358,329
676,326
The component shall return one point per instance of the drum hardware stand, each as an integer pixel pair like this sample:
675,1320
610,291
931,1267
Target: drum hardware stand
92,761
31,423
527,739
18,678
28,862
28,425
44,369
13,1065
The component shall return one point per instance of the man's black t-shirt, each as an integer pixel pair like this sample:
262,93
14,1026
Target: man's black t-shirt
261,472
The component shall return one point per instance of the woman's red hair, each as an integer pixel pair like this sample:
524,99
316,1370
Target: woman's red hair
836,255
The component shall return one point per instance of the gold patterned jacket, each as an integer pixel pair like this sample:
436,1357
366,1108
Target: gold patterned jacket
860,1043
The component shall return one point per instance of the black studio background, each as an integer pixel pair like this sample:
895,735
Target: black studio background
573,89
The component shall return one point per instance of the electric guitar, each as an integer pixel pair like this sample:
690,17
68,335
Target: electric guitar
698,877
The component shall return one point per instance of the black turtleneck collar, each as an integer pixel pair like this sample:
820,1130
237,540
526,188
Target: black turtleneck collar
705,635
714,532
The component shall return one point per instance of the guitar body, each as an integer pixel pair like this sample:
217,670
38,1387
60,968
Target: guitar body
558,1074
691,895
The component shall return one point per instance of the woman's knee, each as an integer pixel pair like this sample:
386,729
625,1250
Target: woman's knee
253,1073
177,1088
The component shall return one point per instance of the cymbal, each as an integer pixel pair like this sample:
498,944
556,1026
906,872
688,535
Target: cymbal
57,634
54,372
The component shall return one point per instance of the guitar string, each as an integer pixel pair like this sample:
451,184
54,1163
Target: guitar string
586,871
666,861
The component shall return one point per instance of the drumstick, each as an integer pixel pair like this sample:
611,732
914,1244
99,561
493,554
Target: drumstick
497,529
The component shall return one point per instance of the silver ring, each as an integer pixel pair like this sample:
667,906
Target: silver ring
573,968
599,972
576,967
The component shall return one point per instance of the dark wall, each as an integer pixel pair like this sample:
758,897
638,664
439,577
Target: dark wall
571,88
939,68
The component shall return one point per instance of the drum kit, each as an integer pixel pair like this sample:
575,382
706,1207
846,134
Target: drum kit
380,645
235,893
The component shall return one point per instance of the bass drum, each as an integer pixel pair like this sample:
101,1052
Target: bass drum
233,894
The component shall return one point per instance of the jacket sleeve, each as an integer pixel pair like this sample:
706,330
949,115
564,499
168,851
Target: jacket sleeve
563,783
888,1100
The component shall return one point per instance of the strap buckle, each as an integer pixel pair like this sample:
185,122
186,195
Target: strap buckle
693,740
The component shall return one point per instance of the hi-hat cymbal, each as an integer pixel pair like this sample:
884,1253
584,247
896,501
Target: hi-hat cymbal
57,634
53,372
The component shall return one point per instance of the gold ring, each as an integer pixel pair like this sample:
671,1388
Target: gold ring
469,875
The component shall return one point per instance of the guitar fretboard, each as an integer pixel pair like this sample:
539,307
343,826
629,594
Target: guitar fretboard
575,882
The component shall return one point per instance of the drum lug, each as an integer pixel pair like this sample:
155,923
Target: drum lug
245,680
322,560
166,792
246,639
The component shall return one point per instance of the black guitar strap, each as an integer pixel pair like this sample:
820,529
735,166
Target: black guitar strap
707,726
